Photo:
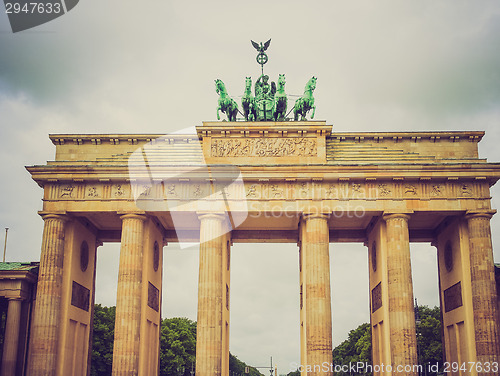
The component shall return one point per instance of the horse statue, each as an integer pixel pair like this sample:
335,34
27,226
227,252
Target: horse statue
226,104
306,102
248,101
280,100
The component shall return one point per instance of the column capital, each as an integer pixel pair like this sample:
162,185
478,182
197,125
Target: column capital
62,215
486,213
306,216
137,215
15,298
387,216
215,215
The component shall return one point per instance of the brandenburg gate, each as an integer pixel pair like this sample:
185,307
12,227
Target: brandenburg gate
268,181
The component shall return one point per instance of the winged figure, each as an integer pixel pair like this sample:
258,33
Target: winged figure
261,47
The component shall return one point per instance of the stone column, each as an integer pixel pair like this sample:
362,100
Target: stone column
484,298
46,321
128,297
210,295
400,291
11,339
317,298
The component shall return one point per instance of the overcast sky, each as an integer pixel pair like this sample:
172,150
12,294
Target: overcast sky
149,67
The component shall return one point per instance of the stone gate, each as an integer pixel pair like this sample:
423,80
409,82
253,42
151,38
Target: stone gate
283,182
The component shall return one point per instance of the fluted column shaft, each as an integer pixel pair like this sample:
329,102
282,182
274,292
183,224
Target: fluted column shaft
11,339
318,322
128,298
210,295
45,327
484,297
400,291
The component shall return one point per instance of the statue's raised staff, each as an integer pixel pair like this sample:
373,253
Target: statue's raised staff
306,102
280,100
248,101
226,103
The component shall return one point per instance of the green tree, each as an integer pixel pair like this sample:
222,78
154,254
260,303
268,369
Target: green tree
356,348
102,340
429,336
178,346
237,367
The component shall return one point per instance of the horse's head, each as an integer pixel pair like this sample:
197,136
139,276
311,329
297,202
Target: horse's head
311,84
248,82
219,86
281,80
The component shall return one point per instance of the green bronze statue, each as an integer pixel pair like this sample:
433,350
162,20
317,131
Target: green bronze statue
261,57
280,100
306,102
226,103
269,102
264,98
248,101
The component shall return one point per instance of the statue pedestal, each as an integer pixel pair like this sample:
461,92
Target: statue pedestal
271,142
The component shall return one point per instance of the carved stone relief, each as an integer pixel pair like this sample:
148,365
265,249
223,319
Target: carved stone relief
410,190
343,190
264,147
384,190
437,190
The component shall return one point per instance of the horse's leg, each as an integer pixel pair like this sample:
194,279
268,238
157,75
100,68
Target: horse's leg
218,116
298,109
314,111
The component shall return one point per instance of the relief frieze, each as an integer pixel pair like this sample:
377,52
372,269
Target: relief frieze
264,147
197,191
465,190
252,191
67,191
384,190
410,190
437,190
332,191
357,190
94,192
277,190
118,191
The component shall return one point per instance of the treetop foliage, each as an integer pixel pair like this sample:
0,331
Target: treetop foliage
177,346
